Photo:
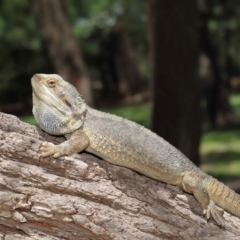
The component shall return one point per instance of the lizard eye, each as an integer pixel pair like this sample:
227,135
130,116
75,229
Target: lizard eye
51,83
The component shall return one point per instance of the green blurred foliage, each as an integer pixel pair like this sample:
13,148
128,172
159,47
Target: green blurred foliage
22,54
224,26
87,16
20,51
17,24
220,148
93,21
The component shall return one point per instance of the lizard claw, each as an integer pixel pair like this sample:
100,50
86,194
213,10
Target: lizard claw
215,212
47,149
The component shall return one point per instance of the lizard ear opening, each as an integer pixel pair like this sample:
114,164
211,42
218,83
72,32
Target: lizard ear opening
68,104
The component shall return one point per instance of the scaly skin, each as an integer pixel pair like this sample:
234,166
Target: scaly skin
59,110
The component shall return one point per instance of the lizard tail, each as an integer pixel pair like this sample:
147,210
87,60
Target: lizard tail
224,197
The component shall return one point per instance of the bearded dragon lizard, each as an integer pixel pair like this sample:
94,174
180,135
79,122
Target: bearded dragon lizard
60,110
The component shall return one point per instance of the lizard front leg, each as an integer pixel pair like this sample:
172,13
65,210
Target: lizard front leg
77,142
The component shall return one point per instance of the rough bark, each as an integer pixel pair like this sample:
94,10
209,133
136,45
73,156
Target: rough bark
62,48
174,58
83,197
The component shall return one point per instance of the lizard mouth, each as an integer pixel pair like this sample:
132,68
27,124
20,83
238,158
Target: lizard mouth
36,78
35,89
36,84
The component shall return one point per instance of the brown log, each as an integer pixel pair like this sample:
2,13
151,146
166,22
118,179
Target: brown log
82,197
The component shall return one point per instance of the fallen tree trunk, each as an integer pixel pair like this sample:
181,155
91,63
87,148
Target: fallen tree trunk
82,197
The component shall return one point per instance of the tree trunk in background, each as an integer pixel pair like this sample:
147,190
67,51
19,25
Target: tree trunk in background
63,50
129,77
209,69
81,197
219,110
174,58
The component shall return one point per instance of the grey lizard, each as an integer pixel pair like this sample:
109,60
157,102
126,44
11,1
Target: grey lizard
60,110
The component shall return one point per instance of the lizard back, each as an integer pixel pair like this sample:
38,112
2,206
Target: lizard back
125,143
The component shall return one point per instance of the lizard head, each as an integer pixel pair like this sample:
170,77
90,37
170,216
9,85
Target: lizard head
57,106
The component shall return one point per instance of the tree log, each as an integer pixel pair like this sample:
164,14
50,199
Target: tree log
82,197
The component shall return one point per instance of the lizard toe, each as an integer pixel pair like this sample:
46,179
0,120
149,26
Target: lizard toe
57,155
215,212
47,149
46,145
47,154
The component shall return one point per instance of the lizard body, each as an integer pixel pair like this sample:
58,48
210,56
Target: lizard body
59,109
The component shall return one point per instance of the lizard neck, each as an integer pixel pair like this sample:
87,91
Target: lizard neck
59,122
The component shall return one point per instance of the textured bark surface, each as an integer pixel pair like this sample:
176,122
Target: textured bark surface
83,197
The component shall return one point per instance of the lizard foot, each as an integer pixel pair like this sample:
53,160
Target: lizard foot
216,213
47,149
